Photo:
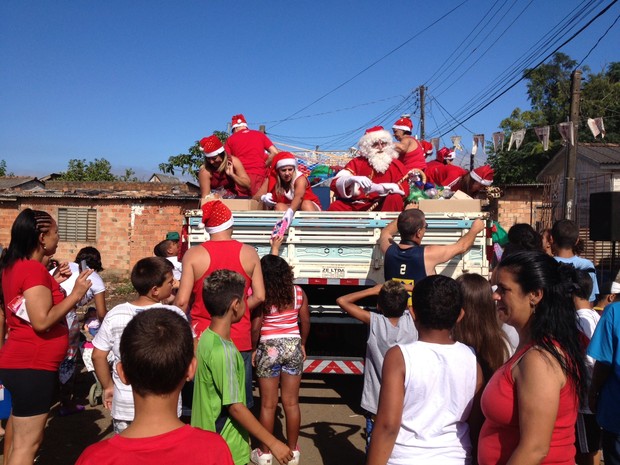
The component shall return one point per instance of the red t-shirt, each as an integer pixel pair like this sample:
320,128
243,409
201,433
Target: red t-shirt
185,445
500,432
26,348
249,146
446,176
223,255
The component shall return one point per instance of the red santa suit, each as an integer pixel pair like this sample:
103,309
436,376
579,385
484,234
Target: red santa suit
387,169
414,159
250,147
287,196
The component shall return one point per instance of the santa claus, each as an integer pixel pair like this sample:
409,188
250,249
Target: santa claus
375,180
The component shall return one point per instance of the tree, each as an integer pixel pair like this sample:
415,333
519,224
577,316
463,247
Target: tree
548,90
80,170
2,168
190,162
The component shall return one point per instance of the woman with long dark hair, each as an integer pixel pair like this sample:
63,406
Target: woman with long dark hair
480,328
35,310
530,404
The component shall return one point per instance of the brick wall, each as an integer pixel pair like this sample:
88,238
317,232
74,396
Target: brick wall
520,204
127,229
119,186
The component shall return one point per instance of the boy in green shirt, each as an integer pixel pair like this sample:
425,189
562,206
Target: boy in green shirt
219,392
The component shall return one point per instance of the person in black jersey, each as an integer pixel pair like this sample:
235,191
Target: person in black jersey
409,261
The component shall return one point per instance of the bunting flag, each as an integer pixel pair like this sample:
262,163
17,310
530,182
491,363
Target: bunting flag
597,127
519,136
498,141
478,140
512,138
566,131
435,143
456,141
543,136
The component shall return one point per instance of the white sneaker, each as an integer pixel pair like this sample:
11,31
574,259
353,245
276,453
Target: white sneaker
295,460
259,457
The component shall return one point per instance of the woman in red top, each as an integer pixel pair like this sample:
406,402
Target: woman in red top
221,172
38,337
530,403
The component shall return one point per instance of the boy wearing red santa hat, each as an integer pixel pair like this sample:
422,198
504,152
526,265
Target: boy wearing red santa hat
221,251
411,152
251,147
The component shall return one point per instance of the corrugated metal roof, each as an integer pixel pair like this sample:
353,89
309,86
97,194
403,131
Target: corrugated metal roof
602,154
94,194
11,182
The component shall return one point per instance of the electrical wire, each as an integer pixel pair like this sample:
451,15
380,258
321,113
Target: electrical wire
529,71
372,64
598,42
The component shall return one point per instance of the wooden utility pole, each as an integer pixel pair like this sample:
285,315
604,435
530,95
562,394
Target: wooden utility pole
422,116
571,153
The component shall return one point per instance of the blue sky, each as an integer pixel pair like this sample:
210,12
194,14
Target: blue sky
136,82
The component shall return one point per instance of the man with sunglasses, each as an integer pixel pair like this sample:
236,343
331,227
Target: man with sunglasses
374,180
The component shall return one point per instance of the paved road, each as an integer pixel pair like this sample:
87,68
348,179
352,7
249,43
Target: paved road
332,429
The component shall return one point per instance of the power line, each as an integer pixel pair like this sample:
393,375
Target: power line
598,42
528,72
372,64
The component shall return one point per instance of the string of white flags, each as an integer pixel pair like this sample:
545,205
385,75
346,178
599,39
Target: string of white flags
566,130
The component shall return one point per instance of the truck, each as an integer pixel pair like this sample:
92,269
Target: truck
335,253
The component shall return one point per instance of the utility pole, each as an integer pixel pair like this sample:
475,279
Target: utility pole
571,153
421,112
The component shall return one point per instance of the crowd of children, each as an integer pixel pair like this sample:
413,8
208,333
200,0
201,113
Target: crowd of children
443,381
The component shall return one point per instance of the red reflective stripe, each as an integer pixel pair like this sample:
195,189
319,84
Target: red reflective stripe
349,282
317,280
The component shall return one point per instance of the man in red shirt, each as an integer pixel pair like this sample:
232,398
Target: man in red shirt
221,251
251,147
375,179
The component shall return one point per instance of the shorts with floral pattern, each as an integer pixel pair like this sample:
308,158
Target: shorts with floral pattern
279,354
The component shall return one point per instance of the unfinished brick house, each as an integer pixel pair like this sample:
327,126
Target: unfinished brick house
122,220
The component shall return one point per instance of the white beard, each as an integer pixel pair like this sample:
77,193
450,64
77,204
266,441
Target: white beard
381,161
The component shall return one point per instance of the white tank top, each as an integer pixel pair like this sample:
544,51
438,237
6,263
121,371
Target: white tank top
440,383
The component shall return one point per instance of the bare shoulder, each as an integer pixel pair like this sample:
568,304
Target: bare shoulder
538,364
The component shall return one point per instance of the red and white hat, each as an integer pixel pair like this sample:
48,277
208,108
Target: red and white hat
284,159
216,216
211,146
404,124
238,121
483,174
427,146
445,154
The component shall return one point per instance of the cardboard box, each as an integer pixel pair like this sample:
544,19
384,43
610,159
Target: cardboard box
242,204
450,205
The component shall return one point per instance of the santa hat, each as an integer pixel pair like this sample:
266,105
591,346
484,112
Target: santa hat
427,146
284,159
239,121
280,160
373,135
483,174
404,124
216,216
211,146
445,154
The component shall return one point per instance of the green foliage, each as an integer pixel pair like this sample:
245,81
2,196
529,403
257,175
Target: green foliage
523,165
98,170
549,92
2,168
129,176
189,163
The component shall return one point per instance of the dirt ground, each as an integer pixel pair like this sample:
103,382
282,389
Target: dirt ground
332,430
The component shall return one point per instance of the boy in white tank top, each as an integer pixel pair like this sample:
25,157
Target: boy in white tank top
429,387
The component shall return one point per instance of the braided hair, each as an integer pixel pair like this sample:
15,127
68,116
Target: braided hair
25,232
